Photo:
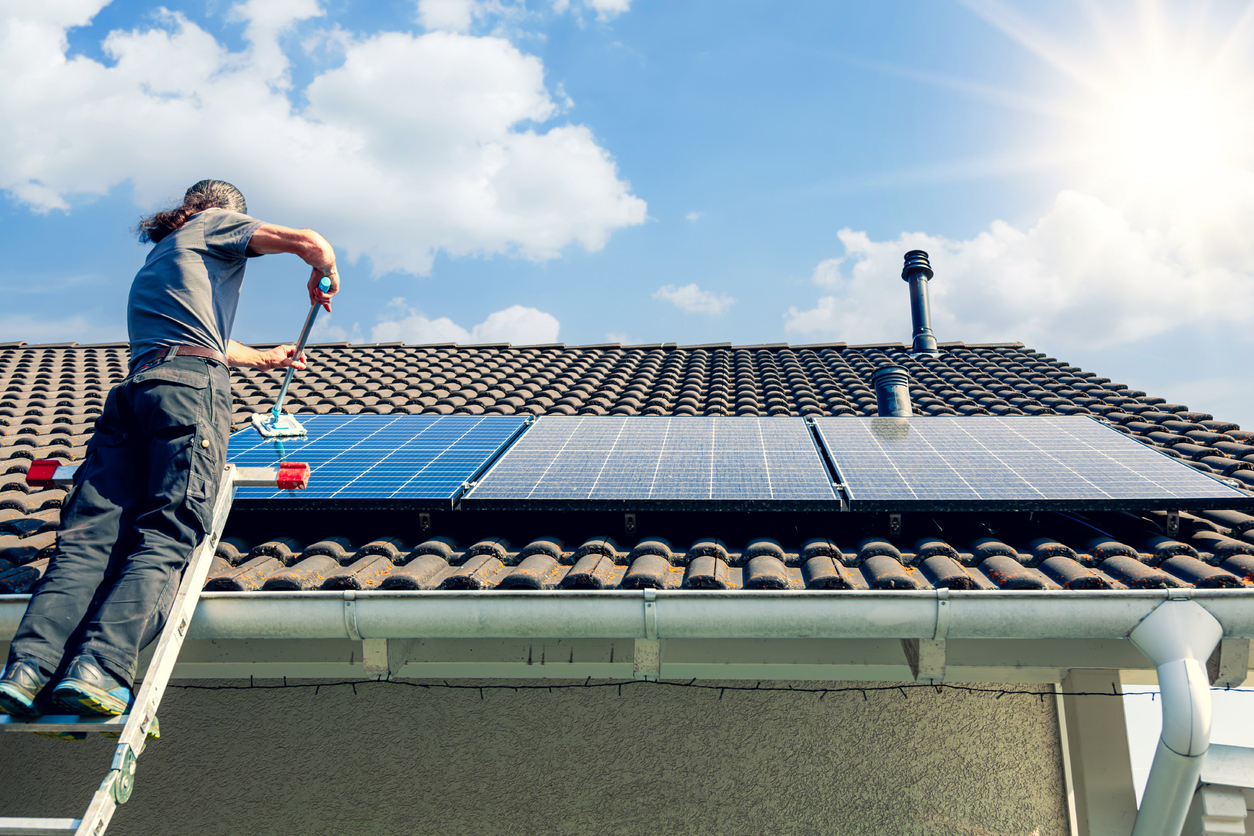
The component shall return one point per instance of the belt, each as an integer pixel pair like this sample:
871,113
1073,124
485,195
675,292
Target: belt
180,351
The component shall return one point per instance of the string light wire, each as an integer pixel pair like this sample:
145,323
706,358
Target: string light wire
618,684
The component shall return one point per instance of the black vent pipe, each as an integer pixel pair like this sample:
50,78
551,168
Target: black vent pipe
892,392
917,272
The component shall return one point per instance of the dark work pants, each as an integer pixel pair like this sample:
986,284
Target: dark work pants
142,499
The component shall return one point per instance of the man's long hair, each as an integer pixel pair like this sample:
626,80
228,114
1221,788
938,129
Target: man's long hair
207,194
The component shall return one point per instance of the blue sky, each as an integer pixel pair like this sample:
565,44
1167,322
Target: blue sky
592,170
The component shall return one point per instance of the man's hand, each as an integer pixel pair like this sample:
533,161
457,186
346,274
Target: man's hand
282,356
316,296
279,357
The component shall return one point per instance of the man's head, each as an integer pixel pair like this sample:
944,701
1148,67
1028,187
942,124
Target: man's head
219,193
207,194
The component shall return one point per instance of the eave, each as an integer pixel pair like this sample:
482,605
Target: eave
925,636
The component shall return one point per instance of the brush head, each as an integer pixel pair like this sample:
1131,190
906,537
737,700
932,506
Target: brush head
283,425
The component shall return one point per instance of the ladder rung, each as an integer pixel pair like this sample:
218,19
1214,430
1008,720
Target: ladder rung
61,723
38,826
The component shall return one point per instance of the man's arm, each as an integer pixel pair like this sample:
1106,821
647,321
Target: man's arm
279,357
311,247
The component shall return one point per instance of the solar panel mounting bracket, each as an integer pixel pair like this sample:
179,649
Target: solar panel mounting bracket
833,470
1173,523
894,523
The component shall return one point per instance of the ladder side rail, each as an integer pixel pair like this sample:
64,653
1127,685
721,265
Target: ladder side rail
144,710
37,827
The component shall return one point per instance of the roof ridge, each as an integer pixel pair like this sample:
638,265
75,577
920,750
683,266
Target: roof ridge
625,347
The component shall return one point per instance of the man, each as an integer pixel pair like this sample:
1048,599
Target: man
144,495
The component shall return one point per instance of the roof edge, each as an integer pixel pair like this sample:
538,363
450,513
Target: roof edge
980,614
838,345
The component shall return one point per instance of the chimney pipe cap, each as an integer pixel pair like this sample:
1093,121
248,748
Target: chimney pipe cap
916,261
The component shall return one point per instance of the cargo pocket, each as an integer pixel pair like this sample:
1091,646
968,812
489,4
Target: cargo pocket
207,460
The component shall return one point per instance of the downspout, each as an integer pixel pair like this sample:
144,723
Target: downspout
1178,637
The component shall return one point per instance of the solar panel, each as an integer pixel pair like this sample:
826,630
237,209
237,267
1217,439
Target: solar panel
658,463
362,461
992,463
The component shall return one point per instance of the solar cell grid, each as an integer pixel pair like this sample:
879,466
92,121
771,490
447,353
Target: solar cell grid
663,461
987,463
370,457
972,463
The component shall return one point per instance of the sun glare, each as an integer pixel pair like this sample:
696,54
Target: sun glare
1160,111
1171,130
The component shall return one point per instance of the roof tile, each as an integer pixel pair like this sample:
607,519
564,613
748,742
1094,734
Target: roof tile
425,570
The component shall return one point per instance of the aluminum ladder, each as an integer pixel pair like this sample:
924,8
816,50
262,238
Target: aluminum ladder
132,729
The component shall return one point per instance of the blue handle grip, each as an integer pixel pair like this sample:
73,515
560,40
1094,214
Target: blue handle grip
325,284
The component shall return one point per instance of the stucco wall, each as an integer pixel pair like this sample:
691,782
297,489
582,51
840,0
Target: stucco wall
391,759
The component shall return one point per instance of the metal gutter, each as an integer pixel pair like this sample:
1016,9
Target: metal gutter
689,614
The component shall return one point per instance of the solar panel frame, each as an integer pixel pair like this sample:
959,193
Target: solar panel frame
994,453
988,463
602,463
377,462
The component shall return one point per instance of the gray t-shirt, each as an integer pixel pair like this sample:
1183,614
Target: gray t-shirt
187,291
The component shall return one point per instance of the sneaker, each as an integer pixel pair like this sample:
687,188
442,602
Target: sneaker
19,686
87,688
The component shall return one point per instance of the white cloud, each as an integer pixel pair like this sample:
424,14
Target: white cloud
1084,276
622,338
324,332
81,329
605,9
264,21
693,299
447,15
460,15
414,144
693,216
827,273
516,324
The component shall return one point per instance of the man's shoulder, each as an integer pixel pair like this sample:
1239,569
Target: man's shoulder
227,233
216,216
